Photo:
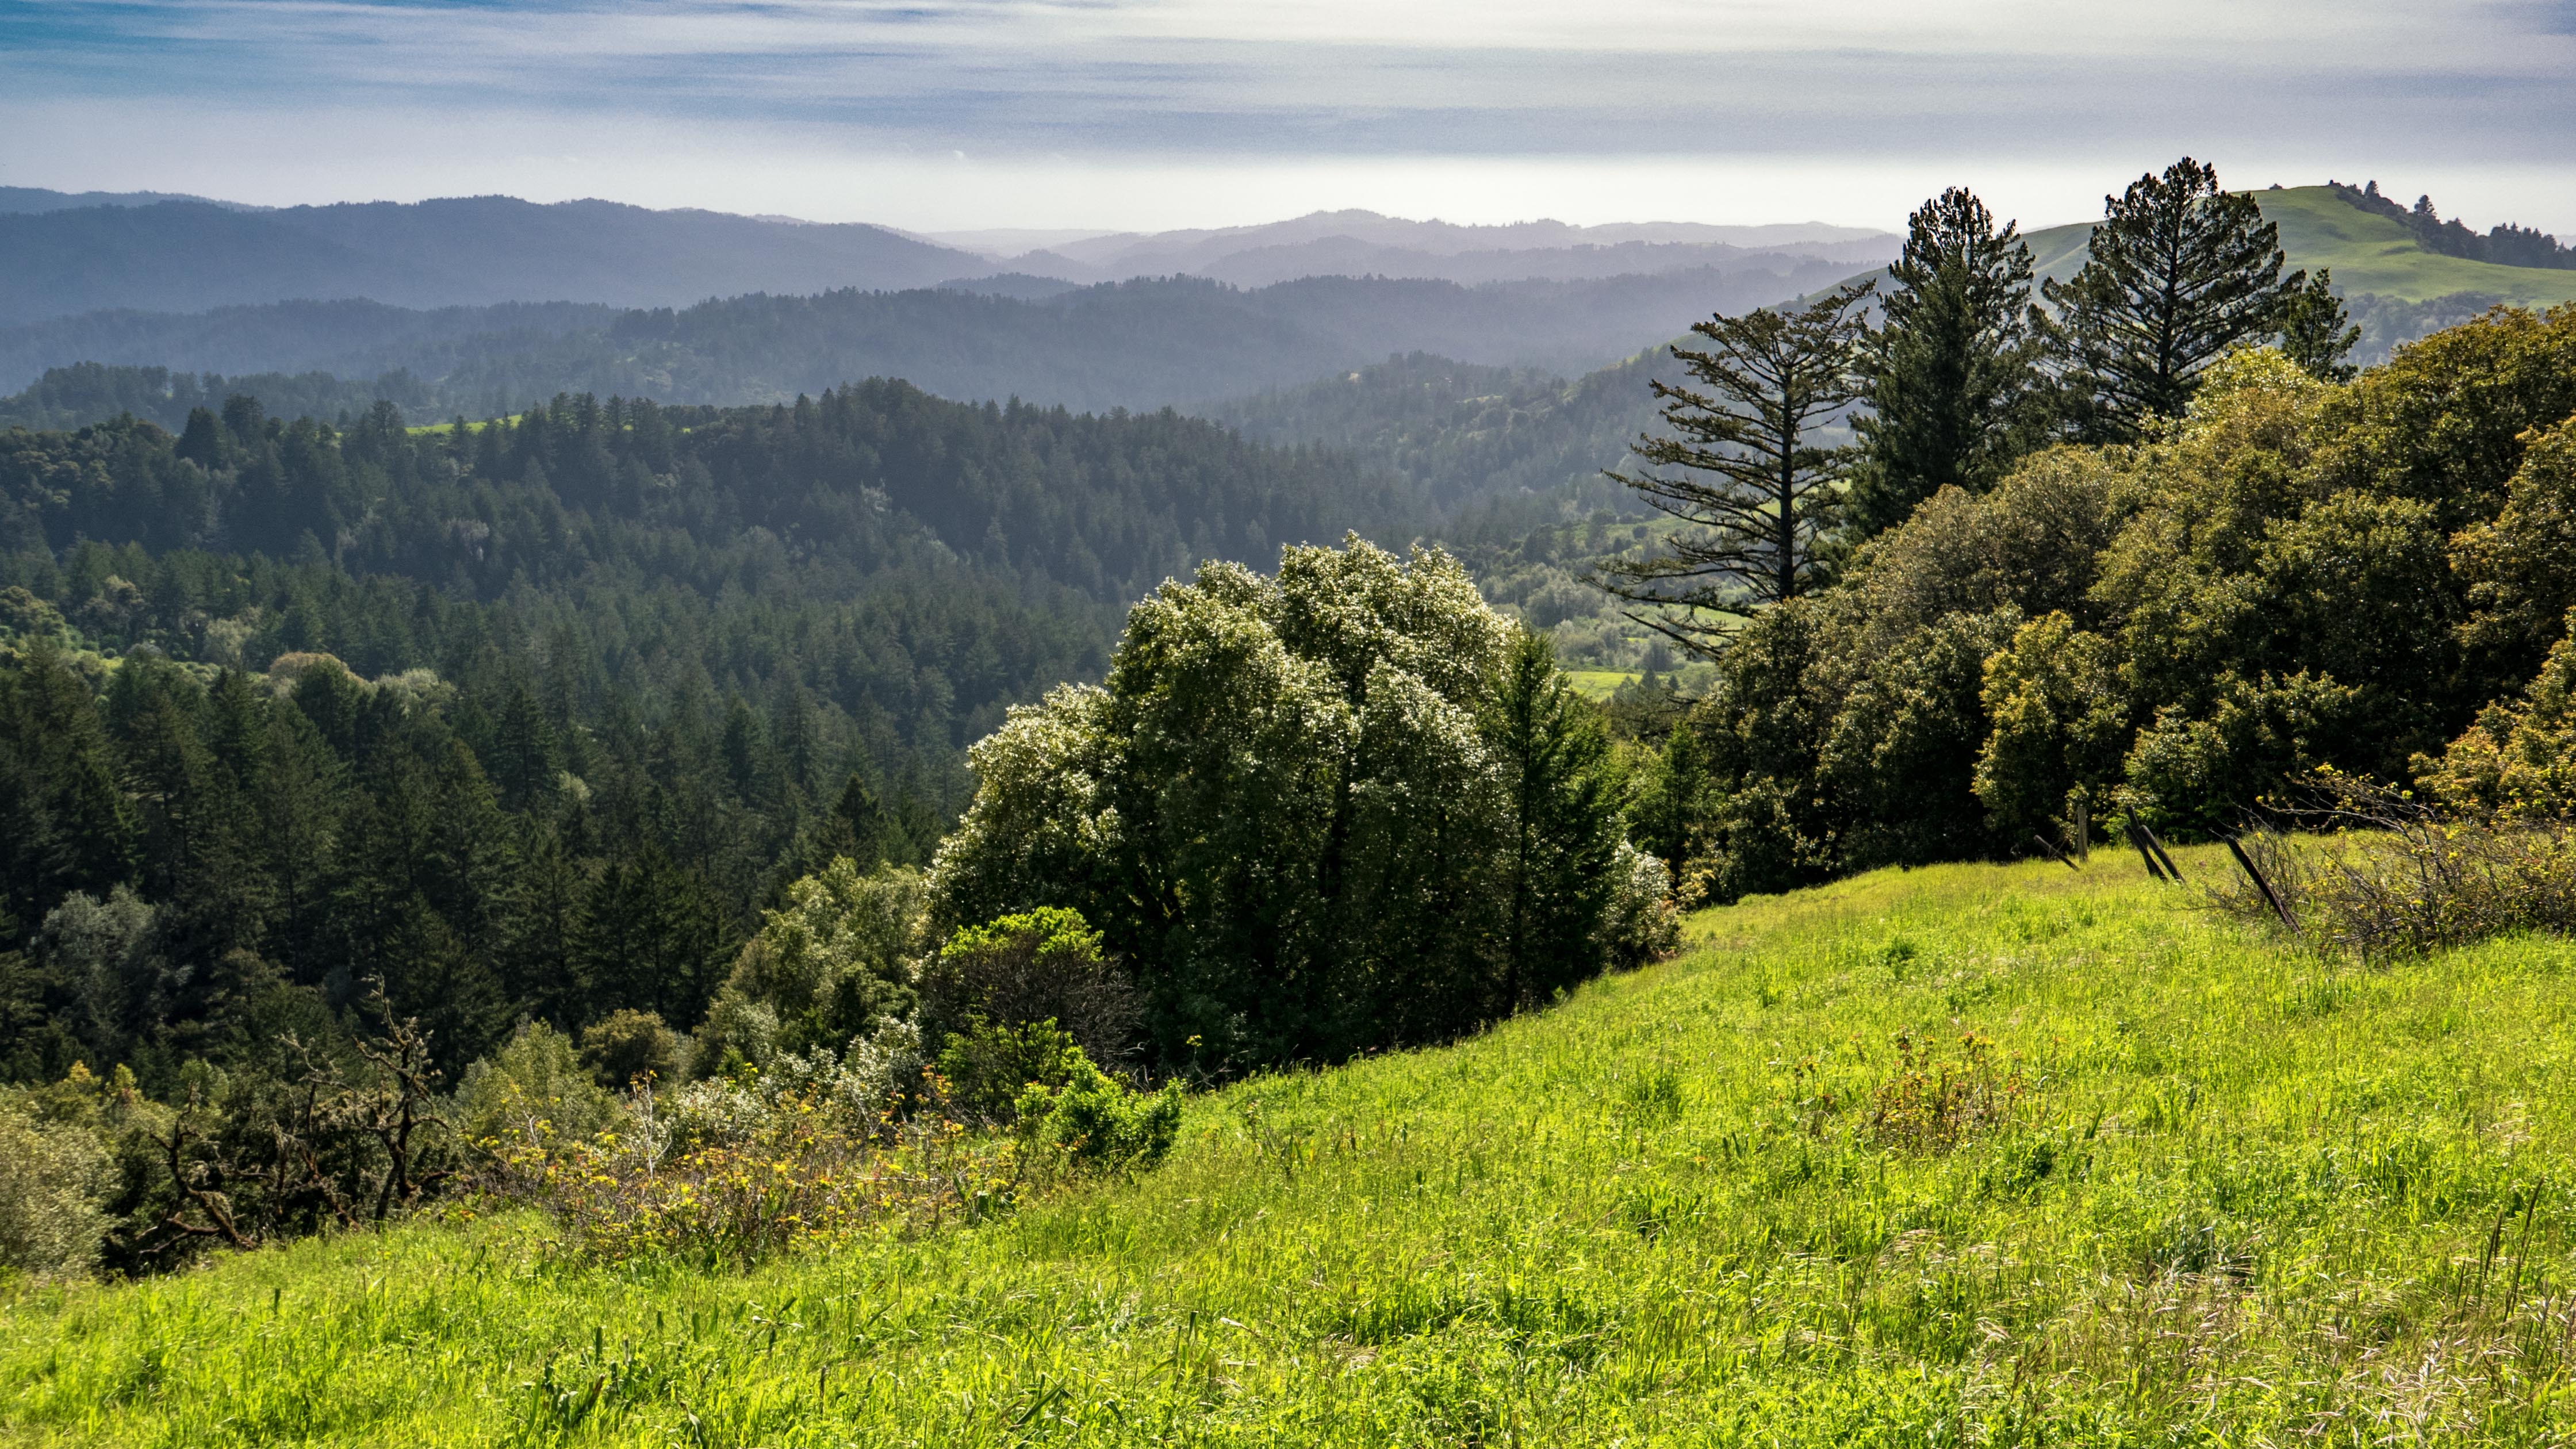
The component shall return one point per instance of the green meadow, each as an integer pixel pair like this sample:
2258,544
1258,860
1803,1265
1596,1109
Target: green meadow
2367,253
1971,1154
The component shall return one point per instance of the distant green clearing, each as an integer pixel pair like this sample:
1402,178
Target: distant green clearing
2367,253
2232,1195
1599,683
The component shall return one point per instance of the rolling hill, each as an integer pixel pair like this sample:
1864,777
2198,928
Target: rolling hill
189,256
1364,243
2369,255
1969,1154
1175,341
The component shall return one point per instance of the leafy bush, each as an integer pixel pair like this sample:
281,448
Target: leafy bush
54,1180
630,1046
2519,759
834,959
1041,966
536,1089
987,1067
2393,876
1641,924
1092,1120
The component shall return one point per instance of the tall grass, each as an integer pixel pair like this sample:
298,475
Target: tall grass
2201,1188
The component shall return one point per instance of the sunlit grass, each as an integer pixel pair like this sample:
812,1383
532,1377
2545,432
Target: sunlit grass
2245,1196
1598,683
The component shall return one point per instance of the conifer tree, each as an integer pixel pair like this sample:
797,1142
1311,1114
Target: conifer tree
2316,333
1754,488
1949,380
2180,272
1564,828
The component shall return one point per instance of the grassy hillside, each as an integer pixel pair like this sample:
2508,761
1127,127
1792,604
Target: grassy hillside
2375,254
2369,254
2219,1193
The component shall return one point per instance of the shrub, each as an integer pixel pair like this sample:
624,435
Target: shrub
1094,1121
633,1045
738,1033
2060,726
2393,876
1930,1104
535,1090
2519,759
987,1067
766,1174
1641,924
835,958
54,1179
1044,965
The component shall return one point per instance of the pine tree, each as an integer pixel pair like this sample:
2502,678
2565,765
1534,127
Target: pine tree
1950,379
2180,272
1564,827
2316,333
1756,491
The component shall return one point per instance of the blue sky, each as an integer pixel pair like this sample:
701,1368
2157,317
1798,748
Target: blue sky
1155,113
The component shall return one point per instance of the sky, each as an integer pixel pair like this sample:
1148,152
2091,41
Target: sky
1150,114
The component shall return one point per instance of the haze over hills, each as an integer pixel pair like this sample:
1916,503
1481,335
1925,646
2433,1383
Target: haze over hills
1139,345
189,256
28,200
1364,243
1463,390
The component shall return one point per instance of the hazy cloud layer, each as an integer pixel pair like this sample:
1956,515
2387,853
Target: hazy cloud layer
2473,101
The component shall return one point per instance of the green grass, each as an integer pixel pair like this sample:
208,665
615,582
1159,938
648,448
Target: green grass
2250,1198
2367,253
1598,683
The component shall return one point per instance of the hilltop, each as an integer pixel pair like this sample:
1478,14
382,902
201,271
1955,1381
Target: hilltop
2369,254
2189,1184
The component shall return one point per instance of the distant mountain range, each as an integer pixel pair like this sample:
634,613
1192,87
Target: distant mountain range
190,256
1364,243
63,254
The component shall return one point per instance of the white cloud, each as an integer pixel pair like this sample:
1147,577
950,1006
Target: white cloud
1832,108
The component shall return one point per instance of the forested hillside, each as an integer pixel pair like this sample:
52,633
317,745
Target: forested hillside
1138,345
355,340
536,715
1468,435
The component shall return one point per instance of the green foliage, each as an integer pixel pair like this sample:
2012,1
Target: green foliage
988,1065
54,1180
630,1046
1558,863
2520,566
2518,758
2245,1195
1757,494
1288,810
835,958
2288,575
1093,1121
1043,965
2179,272
2059,725
2316,333
534,1091
556,713
1951,379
